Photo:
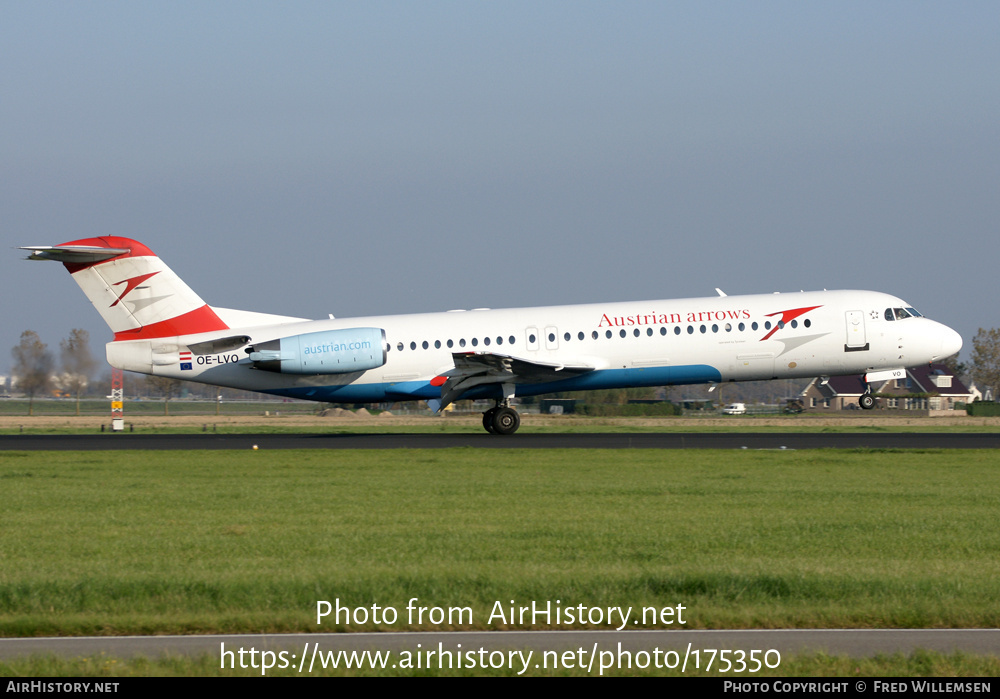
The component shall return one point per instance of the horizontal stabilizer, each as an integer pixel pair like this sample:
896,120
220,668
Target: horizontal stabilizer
73,254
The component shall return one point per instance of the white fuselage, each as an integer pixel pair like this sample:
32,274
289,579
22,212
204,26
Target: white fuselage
643,343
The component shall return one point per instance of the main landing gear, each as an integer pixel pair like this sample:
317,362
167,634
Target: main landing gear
501,419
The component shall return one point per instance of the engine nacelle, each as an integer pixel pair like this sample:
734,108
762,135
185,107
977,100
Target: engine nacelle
327,352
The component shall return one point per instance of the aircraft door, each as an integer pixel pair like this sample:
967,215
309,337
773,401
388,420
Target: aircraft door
856,336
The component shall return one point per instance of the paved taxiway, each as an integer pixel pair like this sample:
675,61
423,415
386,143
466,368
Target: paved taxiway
645,440
856,643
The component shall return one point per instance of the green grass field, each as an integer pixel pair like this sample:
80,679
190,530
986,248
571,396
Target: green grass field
158,542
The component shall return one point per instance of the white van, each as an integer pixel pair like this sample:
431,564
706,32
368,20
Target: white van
735,409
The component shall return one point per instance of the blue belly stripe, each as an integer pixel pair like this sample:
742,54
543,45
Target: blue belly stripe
422,390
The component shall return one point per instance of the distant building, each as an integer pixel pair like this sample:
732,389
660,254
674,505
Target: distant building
927,387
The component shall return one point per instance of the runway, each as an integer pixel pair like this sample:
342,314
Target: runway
604,440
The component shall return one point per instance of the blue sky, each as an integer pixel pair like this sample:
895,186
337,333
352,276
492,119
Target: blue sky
386,157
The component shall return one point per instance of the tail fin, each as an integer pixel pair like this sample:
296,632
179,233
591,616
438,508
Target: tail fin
138,296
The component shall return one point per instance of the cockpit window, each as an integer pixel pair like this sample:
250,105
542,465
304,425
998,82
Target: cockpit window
901,313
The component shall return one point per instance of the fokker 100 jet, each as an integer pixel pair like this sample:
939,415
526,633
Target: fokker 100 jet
163,328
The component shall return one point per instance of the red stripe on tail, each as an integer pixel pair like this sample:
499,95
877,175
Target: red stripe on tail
201,320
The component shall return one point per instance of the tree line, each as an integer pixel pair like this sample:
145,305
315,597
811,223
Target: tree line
35,368
985,361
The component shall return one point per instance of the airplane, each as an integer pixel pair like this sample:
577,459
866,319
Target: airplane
163,328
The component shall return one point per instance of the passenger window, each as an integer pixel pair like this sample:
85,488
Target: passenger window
499,340
486,341
424,344
400,346
461,343
450,344
621,332
475,342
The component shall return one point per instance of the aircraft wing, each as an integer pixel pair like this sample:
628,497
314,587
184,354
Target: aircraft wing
480,368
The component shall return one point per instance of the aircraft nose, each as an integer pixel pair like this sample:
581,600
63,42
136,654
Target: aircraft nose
951,342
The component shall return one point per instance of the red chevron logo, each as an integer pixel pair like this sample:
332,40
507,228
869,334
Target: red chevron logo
130,284
786,317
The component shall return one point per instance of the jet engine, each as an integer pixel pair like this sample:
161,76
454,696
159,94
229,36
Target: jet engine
327,352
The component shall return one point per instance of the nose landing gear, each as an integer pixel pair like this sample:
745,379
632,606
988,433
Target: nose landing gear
867,400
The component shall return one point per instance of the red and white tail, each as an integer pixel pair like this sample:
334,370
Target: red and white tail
138,296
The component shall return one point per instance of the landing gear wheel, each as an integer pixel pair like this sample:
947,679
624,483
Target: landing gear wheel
505,420
488,420
866,401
